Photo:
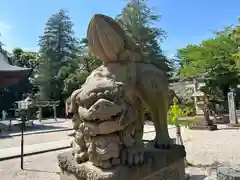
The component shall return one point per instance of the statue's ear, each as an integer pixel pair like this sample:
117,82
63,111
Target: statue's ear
73,101
100,31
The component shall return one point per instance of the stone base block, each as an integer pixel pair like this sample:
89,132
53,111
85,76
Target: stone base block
234,125
228,173
158,165
204,127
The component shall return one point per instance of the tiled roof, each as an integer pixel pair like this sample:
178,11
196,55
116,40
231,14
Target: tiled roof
5,66
9,74
181,90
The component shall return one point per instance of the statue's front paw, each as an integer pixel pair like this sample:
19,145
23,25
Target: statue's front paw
163,143
132,156
81,157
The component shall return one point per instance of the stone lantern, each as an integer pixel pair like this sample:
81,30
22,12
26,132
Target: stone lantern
202,111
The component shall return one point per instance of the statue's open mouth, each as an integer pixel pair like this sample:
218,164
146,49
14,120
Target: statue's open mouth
114,117
102,110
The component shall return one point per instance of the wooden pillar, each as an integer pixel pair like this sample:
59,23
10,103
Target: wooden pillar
55,112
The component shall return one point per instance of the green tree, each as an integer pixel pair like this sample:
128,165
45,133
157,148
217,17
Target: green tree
90,62
58,54
30,60
214,57
235,36
137,19
26,59
1,44
176,112
2,50
87,63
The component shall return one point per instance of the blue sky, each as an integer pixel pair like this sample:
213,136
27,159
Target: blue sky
186,21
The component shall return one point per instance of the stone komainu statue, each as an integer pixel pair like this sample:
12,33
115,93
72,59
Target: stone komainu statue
108,110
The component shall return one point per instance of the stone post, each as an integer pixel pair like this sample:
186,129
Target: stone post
40,114
55,112
232,109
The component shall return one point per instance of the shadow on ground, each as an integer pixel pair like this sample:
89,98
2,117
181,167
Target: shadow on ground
38,170
229,128
196,177
16,128
213,166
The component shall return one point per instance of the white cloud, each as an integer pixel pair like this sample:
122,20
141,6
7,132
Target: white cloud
4,29
5,38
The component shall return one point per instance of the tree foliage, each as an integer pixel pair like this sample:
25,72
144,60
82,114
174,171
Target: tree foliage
215,58
235,36
1,44
87,63
138,20
2,50
176,112
25,58
58,54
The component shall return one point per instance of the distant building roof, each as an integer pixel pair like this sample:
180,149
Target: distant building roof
6,66
198,94
181,89
9,74
182,78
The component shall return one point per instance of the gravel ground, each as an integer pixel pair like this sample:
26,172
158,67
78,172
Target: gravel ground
205,150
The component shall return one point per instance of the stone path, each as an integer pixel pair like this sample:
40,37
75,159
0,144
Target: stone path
37,167
44,125
33,139
9,147
13,152
45,131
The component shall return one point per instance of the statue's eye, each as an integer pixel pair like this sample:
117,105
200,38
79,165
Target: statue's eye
97,106
107,105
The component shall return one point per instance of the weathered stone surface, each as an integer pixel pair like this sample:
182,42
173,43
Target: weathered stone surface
107,127
102,110
228,173
108,109
101,120
107,146
158,165
146,83
108,41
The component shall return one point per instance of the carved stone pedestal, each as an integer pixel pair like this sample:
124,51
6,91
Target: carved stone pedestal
228,173
158,165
